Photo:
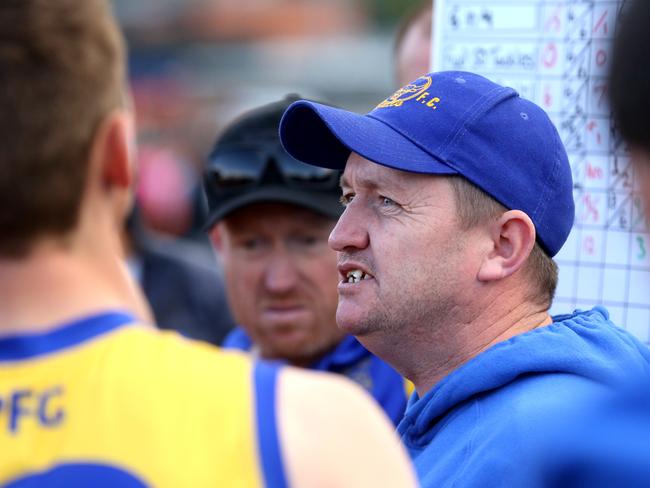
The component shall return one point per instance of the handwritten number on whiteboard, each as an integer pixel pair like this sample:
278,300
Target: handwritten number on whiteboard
453,18
590,209
589,245
600,90
601,24
592,127
611,199
550,55
642,252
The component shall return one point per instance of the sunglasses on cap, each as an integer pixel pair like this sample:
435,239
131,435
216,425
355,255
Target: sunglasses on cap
240,168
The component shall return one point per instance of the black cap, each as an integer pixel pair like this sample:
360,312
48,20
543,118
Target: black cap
249,165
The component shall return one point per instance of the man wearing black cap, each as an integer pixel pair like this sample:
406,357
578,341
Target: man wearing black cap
269,218
458,193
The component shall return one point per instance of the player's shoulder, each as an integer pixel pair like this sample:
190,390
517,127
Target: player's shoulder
345,424
170,357
316,385
326,399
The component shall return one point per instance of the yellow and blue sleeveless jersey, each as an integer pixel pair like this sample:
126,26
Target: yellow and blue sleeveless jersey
349,358
103,402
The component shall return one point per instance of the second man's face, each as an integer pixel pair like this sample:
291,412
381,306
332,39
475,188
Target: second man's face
281,279
403,256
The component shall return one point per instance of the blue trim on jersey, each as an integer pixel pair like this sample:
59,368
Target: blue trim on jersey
79,475
266,375
28,346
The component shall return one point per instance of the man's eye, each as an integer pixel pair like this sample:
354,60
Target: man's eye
306,240
387,202
307,243
252,244
346,198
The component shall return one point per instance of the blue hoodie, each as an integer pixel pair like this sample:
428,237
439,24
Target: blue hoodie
496,420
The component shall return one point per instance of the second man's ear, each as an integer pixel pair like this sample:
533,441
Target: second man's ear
513,238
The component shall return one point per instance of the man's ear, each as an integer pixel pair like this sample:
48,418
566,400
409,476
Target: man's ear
513,238
112,166
115,148
216,236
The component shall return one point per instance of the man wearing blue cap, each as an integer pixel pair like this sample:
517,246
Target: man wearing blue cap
458,193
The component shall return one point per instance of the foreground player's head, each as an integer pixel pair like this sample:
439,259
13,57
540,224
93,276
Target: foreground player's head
64,133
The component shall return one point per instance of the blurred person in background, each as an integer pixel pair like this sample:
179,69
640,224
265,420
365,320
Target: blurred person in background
629,88
180,276
181,280
90,395
269,219
412,45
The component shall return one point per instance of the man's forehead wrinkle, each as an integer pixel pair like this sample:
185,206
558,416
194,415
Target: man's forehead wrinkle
376,177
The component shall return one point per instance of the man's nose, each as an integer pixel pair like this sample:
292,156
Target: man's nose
281,274
350,231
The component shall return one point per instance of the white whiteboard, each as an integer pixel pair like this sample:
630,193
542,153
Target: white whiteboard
556,53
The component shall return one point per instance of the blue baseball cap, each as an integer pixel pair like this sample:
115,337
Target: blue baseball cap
451,123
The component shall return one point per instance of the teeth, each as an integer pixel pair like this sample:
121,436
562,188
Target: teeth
355,276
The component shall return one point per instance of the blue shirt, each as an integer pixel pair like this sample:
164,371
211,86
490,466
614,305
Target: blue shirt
354,361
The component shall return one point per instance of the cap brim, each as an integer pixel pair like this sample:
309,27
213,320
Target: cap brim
326,204
324,136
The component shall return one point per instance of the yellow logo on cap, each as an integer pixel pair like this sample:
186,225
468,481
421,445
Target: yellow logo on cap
413,91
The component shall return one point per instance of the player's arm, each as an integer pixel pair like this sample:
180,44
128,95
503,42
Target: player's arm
332,434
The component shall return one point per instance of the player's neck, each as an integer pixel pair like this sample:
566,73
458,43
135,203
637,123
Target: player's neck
57,283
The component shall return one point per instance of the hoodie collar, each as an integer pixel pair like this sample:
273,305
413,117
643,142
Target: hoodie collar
584,343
